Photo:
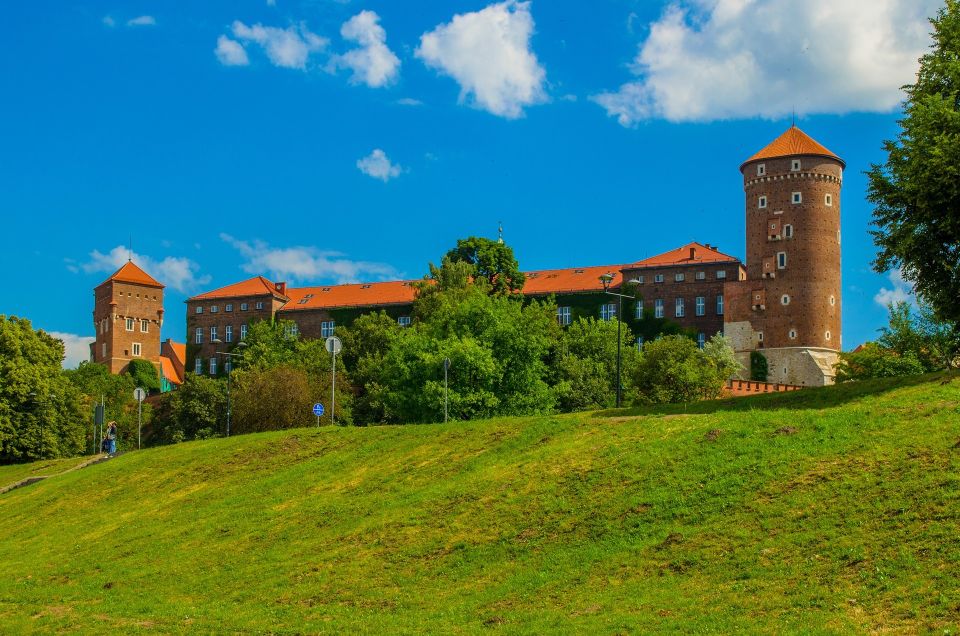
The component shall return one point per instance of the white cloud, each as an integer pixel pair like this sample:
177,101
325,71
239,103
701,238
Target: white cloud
710,60
271,3
143,20
372,63
177,272
306,263
287,48
77,348
488,53
230,52
901,292
379,166
409,101
109,21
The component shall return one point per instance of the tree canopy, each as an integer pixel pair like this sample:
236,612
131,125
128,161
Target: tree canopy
492,261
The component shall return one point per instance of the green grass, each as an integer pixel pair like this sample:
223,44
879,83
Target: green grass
16,472
824,511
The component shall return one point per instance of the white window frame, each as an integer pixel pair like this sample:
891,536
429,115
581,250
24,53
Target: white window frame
228,307
658,278
795,165
327,328
721,273
198,366
198,336
243,332
129,324
833,300
762,202
608,311
144,325
563,316
761,169
638,311
828,335
213,333
759,336
404,321
136,349
792,334
199,309
244,306
700,308
701,340
258,306
785,299
658,308
701,276
214,309
103,349
679,278
781,260
828,200
796,198
788,231
719,304
679,307
228,333
213,365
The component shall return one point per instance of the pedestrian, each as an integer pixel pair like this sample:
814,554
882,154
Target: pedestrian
112,438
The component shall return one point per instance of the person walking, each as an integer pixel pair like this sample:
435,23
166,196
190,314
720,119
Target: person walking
112,438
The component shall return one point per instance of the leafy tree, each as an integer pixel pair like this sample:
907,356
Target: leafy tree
144,375
196,410
759,369
673,369
587,366
492,262
281,397
365,345
932,343
41,414
874,361
719,352
915,192
95,382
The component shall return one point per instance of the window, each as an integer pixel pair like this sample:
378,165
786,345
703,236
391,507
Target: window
720,305
213,365
701,276
701,339
639,310
838,237
198,336
292,331
781,260
797,198
327,328
833,301
785,300
795,165
213,334
244,306
679,308
761,169
658,308
228,333
701,305
137,349
129,324
243,332
103,348
144,326
788,231
658,278
214,309
828,200
760,336
198,366
228,366
721,273
793,334
608,311
762,202
199,309
678,278
640,280
404,321
228,307
827,335
563,315
259,305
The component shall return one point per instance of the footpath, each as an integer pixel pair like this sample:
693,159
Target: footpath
96,459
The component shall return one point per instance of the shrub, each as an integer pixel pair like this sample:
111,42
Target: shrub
758,367
144,375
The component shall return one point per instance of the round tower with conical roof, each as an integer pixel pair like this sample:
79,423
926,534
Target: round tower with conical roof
792,190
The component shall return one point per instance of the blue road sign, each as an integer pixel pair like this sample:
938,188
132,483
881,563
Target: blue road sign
318,409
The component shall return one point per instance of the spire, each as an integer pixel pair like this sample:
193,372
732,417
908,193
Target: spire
500,233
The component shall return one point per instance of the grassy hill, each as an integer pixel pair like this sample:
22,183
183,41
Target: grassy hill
822,511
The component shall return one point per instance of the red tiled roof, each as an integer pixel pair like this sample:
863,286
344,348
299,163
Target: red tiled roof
130,273
178,349
791,143
256,286
396,292
689,254
570,279
169,370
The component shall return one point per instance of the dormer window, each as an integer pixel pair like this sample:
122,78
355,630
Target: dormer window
795,165
761,169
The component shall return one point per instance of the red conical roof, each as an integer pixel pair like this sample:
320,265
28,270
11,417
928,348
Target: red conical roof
791,143
130,273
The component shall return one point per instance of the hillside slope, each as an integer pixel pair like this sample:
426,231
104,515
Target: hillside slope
828,510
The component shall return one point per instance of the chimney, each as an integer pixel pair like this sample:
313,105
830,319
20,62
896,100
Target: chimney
281,288
693,253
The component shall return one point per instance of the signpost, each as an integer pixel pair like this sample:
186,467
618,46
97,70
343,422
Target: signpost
99,413
318,411
139,395
446,369
333,346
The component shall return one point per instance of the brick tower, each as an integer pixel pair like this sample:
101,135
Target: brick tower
127,316
789,306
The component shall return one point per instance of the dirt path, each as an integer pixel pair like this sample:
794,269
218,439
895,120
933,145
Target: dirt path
96,459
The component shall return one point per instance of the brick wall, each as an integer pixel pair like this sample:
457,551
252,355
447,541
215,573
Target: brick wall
114,303
220,313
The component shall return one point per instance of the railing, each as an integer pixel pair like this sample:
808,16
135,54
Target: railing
749,387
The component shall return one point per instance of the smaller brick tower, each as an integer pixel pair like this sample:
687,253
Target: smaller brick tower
127,316
789,306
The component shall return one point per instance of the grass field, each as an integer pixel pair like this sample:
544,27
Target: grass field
823,511
17,472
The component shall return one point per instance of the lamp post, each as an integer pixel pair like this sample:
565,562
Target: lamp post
240,345
607,279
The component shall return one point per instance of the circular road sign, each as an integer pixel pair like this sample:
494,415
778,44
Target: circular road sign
318,409
333,345
139,394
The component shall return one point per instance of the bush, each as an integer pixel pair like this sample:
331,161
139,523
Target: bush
673,369
758,367
144,375
874,361
197,410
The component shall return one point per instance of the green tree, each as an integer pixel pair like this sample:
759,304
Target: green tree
932,343
144,375
281,397
915,193
366,343
587,364
95,382
196,410
492,262
673,369
759,369
874,361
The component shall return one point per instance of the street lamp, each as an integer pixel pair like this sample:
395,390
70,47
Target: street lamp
606,279
240,345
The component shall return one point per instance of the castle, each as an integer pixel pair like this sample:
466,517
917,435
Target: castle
784,303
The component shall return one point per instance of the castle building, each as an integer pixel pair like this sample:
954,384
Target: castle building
789,306
784,303
127,317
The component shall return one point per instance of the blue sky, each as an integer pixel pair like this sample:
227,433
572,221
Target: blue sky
328,141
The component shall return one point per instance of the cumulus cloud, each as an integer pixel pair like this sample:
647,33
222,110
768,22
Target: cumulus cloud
287,48
177,272
230,52
900,292
379,166
710,60
372,63
77,348
306,263
488,53
143,20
